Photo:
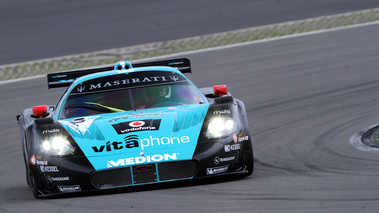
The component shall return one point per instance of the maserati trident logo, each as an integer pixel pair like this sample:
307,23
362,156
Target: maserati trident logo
81,88
174,78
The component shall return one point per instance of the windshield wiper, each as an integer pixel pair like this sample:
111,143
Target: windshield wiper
95,107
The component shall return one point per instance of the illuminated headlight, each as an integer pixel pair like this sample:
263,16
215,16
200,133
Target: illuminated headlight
220,127
57,146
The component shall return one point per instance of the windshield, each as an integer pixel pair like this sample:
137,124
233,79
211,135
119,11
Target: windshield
174,94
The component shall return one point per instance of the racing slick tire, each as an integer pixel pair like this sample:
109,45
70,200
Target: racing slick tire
34,186
250,163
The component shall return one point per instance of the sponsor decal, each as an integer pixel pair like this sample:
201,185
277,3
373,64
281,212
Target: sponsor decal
232,147
49,169
59,76
50,131
125,81
116,119
224,111
142,159
71,188
163,141
136,126
235,138
218,160
217,170
176,62
37,160
57,179
41,162
130,141
241,137
136,123
33,160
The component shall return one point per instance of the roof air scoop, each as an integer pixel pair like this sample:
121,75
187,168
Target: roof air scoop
123,65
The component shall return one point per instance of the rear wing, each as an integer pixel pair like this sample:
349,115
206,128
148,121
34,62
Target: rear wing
64,79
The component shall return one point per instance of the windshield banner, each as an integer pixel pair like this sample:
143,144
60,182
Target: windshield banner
135,79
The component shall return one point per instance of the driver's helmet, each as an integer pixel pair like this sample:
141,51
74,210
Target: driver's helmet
158,92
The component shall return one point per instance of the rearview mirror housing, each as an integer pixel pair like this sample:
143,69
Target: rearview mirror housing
40,111
220,90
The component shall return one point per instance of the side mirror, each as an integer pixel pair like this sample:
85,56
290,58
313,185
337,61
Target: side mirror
220,90
40,111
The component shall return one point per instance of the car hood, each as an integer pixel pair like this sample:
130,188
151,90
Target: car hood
138,137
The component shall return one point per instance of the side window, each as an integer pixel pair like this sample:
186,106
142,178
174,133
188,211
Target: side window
186,94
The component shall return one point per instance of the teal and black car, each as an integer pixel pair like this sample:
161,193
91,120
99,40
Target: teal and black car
132,124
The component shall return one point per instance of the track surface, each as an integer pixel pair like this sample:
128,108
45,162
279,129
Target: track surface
41,29
305,98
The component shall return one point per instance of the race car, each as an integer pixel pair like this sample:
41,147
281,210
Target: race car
132,124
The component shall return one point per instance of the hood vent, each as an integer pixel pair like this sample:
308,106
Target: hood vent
187,118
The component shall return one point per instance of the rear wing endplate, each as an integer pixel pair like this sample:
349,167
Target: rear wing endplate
64,79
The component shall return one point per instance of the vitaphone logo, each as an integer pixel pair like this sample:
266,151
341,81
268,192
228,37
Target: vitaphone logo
131,141
136,126
163,141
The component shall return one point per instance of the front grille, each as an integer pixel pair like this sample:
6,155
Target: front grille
144,174
177,170
112,178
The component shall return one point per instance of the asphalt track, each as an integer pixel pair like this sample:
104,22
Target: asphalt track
305,97
40,29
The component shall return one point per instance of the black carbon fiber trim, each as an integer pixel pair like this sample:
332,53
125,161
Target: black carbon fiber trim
112,178
177,170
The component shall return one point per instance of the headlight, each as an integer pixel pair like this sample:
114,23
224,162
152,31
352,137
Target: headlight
57,146
220,127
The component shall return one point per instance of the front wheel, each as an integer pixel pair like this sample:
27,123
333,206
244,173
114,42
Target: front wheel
250,162
34,186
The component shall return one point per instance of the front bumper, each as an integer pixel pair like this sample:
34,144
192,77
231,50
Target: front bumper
78,175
